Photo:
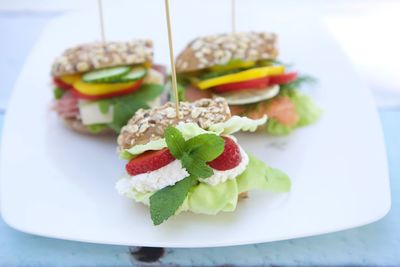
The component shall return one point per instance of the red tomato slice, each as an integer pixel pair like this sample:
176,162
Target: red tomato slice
260,83
283,78
126,91
63,85
149,161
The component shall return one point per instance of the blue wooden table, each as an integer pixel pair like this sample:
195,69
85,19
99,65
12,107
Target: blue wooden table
377,244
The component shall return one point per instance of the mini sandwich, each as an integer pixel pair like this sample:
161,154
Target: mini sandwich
99,86
243,69
192,163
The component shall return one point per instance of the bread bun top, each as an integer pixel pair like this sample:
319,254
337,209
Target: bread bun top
148,125
90,56
205,52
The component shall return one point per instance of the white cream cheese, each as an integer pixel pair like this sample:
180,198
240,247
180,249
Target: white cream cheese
173,173
222,176
153,181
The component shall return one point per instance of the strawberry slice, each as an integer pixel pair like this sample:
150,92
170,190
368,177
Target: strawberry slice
229,159
149,161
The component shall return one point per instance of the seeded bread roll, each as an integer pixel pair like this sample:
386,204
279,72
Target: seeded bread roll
90,56
148,125
205,52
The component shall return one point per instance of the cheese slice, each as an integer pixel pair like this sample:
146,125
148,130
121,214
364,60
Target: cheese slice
91,114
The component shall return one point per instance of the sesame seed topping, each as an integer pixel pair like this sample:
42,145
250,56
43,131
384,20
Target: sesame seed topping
90,56
204,112
219,49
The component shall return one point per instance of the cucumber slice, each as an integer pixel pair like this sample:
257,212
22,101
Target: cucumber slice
250,96
106,75
136,73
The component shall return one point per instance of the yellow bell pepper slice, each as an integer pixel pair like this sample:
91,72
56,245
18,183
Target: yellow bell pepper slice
241,76
70,79
94,89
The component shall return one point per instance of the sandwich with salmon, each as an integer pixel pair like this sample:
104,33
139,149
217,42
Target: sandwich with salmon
99,86
243,68
192,163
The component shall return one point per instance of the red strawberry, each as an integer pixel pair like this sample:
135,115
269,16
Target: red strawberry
229,159
149,161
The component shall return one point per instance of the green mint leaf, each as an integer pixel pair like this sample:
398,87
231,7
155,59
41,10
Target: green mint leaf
175,141
104,106
205,147
196,167
58,93
165,202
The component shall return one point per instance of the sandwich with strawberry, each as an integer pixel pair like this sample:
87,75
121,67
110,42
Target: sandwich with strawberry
243,68
99,86
191,163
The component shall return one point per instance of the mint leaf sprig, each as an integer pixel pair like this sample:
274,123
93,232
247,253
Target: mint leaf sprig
194,155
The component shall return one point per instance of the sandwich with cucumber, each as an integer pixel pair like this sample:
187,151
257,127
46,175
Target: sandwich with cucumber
99,86
243,68
192,163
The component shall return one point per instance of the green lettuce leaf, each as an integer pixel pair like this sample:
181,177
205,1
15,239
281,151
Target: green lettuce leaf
126,106
237,123
260,176
139,149
306,108
210,200
206,199
274,127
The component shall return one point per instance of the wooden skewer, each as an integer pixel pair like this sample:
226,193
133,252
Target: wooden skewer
100,8
171,56
233,15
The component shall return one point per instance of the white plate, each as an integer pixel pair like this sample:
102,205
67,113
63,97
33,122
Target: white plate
60,184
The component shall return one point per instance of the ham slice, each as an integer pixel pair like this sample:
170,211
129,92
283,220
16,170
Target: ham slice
67,107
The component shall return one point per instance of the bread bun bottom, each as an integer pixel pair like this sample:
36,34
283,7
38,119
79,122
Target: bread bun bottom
77,126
